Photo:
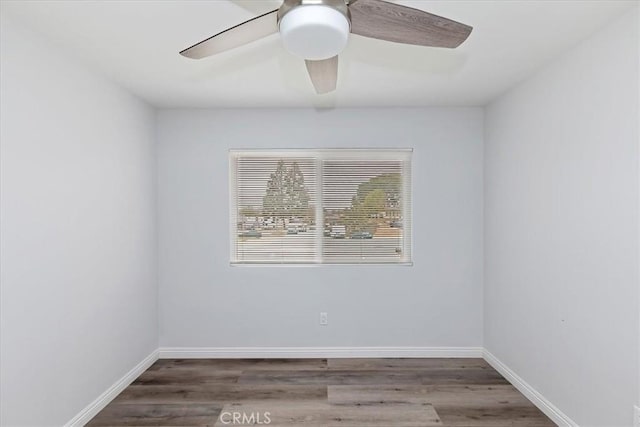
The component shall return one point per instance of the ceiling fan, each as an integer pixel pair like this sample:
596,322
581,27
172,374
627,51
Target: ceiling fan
318,30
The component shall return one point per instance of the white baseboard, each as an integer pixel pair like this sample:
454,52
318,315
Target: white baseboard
314,352
532,394
84,416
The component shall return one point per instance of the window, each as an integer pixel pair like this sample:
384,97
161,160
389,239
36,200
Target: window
320,206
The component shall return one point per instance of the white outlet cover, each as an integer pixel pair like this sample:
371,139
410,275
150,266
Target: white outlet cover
324,319
636,416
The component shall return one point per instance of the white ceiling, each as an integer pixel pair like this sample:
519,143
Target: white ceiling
136,43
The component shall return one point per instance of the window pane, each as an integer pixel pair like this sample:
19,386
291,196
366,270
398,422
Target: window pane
364,211
320,206
274,215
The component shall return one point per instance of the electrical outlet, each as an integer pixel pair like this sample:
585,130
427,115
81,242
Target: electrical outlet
636,416
324,320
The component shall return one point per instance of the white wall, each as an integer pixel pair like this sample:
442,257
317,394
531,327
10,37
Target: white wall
561,228
77,232
637,414
206,303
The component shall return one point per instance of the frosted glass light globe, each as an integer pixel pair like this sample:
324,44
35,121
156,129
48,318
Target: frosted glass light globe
314,32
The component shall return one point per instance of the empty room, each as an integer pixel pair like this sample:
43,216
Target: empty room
320,213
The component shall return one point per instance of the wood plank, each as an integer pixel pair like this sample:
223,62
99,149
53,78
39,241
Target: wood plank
157,415
241,364
438,395
494,416
220,393
192,376
321,414
408,363
380,377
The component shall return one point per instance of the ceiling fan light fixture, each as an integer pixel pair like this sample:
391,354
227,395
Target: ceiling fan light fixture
314,32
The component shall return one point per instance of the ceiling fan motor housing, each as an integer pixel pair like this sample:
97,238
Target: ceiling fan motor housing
314,29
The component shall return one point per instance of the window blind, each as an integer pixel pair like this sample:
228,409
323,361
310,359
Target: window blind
320,206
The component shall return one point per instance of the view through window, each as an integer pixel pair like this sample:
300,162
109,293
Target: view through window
320,206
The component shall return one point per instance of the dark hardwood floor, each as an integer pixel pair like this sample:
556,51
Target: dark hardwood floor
321,392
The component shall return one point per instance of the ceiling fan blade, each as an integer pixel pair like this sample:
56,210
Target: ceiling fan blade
401,24
324,74
251,30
